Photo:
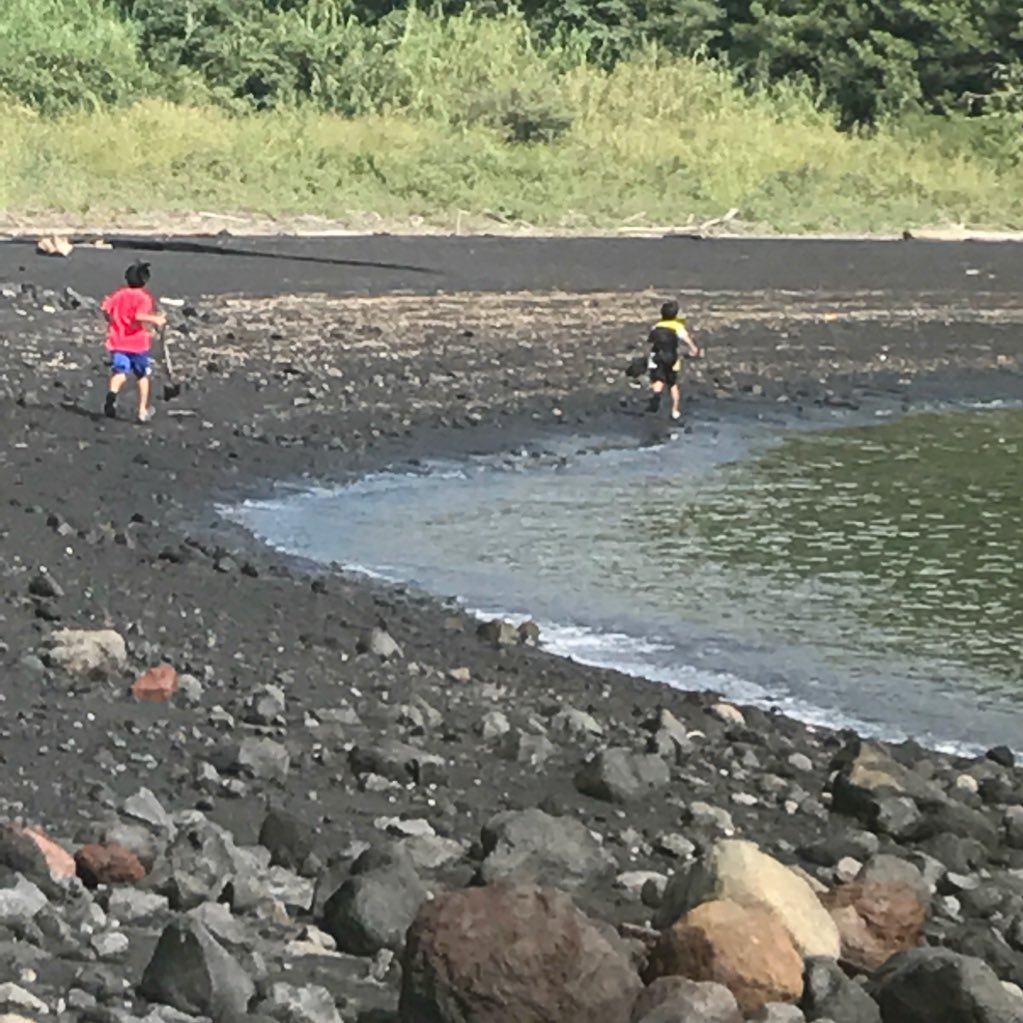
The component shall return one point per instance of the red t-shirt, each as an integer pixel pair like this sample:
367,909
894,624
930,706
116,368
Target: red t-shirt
125,333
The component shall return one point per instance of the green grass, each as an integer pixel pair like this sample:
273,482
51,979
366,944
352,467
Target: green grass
653,142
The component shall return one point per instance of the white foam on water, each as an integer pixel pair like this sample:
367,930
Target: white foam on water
635,656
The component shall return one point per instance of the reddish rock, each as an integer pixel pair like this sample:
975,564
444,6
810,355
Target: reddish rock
59,861
748,950
157,685
875,920
511,954
108,864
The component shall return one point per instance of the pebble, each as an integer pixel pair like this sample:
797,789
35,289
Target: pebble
111,945
675,844
847,869
967,783
494,725
633,882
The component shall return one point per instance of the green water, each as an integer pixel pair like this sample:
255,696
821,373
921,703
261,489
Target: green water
863,575
899,537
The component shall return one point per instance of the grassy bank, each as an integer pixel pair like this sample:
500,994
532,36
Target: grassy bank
469,117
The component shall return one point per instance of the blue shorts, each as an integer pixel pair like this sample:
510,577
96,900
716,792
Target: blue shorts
131,362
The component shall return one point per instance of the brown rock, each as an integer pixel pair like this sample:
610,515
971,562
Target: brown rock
747,949
705,1000
875,919
512,954
108,864
157,685
59,861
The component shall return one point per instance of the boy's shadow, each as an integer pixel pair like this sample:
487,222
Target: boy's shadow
95,415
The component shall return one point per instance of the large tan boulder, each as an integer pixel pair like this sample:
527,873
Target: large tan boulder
745,948
512,954
741,872
876,919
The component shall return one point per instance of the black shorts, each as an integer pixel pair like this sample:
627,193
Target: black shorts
664,373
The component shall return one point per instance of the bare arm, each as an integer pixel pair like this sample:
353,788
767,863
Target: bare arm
156,319
694,350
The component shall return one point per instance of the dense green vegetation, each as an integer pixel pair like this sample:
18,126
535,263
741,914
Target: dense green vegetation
800,113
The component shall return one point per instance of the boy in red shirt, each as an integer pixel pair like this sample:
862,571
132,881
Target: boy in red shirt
129,311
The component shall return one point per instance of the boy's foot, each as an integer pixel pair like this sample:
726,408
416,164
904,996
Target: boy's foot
676,415
146,415
654,403
110,406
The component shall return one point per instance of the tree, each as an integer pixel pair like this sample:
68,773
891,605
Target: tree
877,58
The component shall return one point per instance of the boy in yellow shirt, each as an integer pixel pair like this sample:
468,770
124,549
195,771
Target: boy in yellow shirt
665,361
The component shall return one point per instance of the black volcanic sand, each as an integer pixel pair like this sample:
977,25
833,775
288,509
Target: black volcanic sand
398,350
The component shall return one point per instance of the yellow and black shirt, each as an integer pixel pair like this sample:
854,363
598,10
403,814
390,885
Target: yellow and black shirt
664,341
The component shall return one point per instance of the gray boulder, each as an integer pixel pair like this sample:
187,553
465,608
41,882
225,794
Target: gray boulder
619,776
21,901
145,808
374,907
829,994
778,1012
954,818
191,972
198,865
977,938
286,838
531,845
928,984
680,1000
258,758
20,854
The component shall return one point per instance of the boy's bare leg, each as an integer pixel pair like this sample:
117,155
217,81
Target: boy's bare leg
657,389
145,412
676,402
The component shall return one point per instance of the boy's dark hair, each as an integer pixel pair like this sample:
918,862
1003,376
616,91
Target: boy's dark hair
137,275
669,311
